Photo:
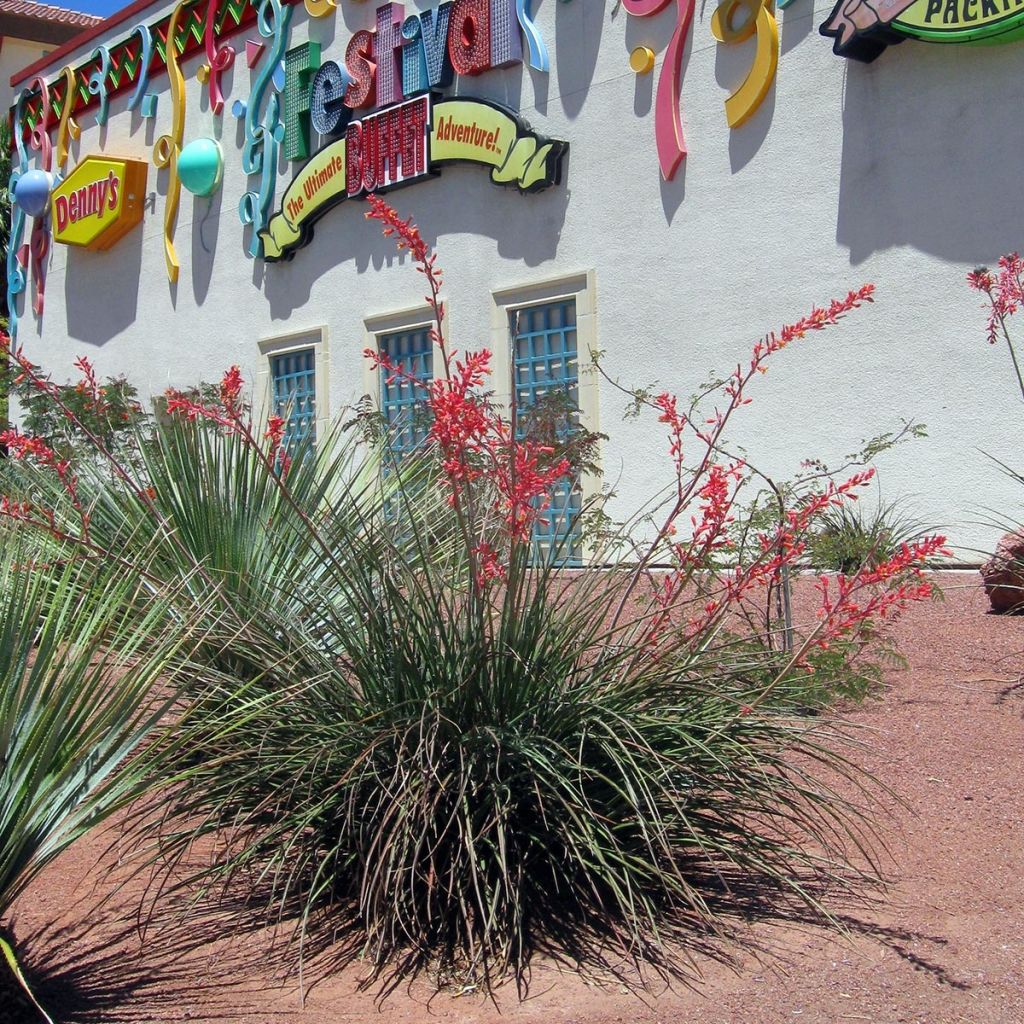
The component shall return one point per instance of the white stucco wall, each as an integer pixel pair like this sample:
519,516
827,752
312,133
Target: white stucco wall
904,173
16,54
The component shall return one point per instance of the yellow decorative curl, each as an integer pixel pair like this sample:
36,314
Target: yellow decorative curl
168,147
744,102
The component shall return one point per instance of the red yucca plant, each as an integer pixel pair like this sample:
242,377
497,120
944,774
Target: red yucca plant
456,752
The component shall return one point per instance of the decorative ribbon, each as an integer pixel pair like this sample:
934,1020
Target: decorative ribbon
39,245
39,136
168,147
68,125
218,60
146,105
263,137
539,58
15,266
760,18
668,119
98,83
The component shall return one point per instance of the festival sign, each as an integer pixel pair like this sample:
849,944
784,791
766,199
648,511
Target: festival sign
862,30
405,144
99,202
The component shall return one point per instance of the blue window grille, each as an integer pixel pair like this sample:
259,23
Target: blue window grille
294,384
545,362
401,403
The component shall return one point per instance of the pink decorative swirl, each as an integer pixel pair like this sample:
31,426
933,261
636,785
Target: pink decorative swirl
39,136
39,247
668,118
219,60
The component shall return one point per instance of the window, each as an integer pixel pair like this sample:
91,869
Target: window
401,403
543,335
545,364
293,383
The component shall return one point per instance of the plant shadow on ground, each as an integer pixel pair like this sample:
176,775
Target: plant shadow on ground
99,971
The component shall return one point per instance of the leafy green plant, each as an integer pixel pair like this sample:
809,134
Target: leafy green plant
89,412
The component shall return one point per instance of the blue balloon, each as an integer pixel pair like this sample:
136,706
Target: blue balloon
32,192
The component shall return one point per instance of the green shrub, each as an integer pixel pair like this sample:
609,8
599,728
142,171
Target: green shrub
405,726
852,537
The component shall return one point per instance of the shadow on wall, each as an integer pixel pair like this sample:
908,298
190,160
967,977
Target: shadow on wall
933,147
461,201
101,290
578,31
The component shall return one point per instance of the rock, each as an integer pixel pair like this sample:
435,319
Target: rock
1003,574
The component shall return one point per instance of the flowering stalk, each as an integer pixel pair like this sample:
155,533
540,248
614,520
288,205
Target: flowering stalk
473,440
1005,292
709,430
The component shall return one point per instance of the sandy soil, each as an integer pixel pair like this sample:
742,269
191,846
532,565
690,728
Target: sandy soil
945,947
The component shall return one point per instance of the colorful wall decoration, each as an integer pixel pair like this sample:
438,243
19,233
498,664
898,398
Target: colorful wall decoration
168,147
401,55
403,144
16,258
264,131
33,187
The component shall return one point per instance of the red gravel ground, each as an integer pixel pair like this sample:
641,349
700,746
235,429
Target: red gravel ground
945,947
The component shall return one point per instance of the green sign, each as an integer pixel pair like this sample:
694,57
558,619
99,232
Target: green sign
862,29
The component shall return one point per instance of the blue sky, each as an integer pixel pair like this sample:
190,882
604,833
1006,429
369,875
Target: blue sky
104,7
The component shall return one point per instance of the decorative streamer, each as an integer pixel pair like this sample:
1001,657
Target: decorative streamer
15,267
39,136
668,118
145,104
39,246
218,60
539,58
98,83
263,138
68,125
168,147
760,19
126,65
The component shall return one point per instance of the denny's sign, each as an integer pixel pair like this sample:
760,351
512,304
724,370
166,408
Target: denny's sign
99,202
402,145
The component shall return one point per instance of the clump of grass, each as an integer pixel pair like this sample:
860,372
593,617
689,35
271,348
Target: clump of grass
852,537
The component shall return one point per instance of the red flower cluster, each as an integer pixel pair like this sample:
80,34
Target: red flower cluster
275,435
229,416
475,442
408,238
473,439
21,446
1005,291
224,415
89,386
842,613
231,389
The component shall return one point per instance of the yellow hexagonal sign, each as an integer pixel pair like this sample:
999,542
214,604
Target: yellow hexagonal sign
99,202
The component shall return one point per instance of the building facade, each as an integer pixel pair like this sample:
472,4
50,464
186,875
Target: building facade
650,180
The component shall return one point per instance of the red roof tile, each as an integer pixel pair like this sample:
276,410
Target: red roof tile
45,12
